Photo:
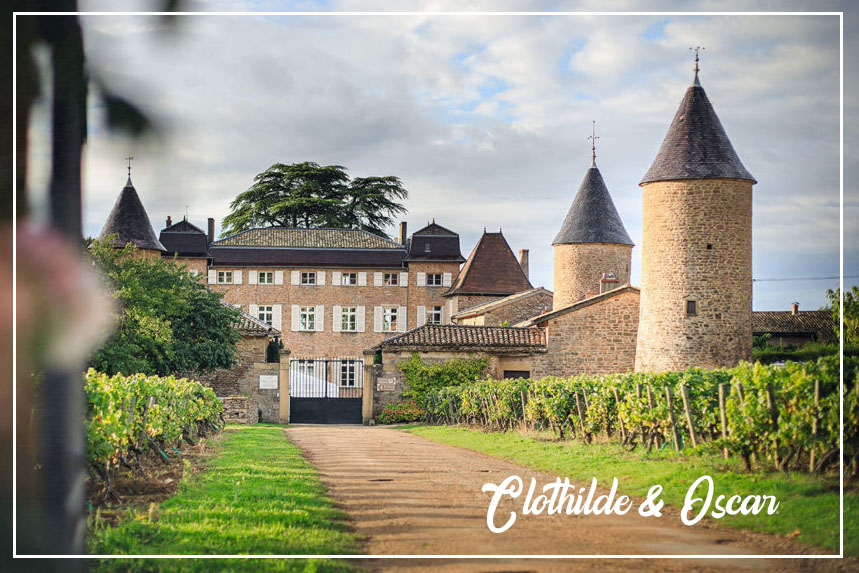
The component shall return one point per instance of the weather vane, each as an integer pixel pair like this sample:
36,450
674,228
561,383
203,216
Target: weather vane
696,48
128,161
593,137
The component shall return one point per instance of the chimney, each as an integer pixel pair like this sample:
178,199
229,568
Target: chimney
523,261
211,230
608,281
794,308
404,233
169,221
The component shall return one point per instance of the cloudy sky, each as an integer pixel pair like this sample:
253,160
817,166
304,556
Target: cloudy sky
484,118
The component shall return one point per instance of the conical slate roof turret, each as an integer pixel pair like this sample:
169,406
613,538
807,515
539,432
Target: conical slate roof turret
696,146
592,217
129,220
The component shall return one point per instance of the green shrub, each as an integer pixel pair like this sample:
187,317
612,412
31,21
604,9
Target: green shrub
807,353
403,411
423,378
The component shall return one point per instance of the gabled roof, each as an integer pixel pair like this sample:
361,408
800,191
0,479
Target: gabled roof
129,220
696,145
290,237
435,229
434,243
456,337
497,303
491,268
592,217
818,322
540,319
183,226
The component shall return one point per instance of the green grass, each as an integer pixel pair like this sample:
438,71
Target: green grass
257,495
807,504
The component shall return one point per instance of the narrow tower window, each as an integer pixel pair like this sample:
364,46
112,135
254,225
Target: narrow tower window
691,307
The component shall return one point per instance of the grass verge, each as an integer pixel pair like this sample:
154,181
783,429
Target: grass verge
257,495
808,510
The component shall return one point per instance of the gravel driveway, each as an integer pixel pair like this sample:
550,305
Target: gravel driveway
410,496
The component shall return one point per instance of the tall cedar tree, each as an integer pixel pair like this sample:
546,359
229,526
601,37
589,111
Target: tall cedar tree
168,321
308,195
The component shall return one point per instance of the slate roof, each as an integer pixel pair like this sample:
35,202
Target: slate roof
592,217
129,220
513,298
307,239
491,268
541,318
184,239
434,243
696,145
456,337
819,322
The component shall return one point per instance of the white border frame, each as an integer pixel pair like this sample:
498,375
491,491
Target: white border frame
437,14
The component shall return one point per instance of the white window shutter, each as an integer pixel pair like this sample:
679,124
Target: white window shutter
278,277
252,310
252,277
320,278
237,277
294,318
362,279
450,307
360,318
422,279
402,319
404,279
276,319
377,279
422,316
335,278
296,277
446,279
213,276
320,318
443,315
337,318
377,319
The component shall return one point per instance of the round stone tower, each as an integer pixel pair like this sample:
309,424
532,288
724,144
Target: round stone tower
592,250
696,268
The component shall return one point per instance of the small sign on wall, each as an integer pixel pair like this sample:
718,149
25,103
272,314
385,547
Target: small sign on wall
387,384
268,382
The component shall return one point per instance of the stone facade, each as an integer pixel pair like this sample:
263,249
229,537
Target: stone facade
579,267
508,311
696,252
459,302
596,336
430,296
367,297
239,410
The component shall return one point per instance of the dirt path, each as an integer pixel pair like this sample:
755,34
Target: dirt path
410,496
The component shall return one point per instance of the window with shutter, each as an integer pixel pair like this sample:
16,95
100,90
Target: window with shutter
320,318
295,277
377,279
252,277
360,318
278,277
295,318
320,278
276,316
335,278
377,319
446,279
237,277
422,315
404,279
362,279
422,279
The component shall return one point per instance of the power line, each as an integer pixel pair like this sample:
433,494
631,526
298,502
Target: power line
805,279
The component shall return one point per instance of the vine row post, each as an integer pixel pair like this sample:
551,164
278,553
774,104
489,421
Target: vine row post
723,414
813,453
674,435
689,418
773,409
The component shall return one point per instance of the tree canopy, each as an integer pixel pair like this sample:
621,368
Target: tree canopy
851,313
309,195
168,321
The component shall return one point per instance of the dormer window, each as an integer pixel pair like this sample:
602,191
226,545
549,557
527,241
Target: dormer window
427,248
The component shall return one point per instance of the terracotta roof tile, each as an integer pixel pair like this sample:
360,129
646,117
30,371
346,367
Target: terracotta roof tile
474,337
491,268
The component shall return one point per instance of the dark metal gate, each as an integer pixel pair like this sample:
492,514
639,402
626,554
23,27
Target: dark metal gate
325,391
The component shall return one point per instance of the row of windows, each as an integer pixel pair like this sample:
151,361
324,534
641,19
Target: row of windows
307,317
347,371
312,278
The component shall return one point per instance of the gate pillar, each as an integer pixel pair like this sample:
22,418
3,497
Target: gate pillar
369,387
283,384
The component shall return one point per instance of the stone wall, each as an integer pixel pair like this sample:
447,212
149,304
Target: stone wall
513,312
598,338
697,246
579,267
239,410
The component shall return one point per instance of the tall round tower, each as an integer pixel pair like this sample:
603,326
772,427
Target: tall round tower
592,250
696,268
